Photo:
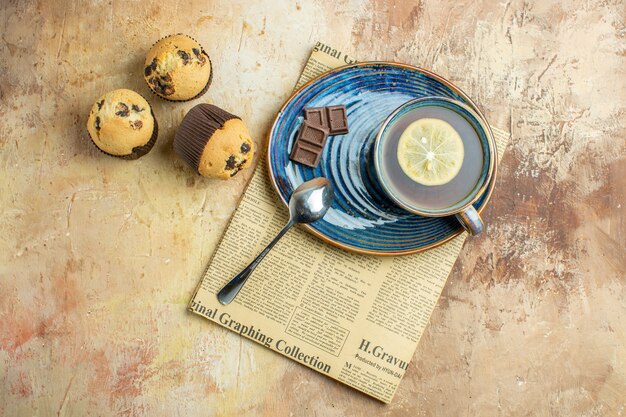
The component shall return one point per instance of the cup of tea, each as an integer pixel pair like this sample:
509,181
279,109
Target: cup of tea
435,157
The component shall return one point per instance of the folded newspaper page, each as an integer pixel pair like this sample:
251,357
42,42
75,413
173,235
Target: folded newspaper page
355,318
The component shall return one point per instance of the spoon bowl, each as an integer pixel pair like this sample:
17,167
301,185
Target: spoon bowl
311,200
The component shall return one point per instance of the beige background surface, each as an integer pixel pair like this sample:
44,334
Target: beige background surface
99,256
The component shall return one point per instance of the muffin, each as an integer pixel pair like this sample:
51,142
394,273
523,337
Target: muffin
214,142
121,124
177,68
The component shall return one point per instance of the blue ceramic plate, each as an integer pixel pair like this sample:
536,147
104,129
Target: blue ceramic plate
362,219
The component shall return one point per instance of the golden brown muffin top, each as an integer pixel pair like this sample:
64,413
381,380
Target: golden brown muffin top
228,151
119,121
177,68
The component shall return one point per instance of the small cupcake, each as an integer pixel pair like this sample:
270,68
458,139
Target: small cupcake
121,124
214,142
177,68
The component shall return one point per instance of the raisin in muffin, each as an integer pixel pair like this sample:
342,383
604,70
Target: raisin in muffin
121,124
214,142
177,68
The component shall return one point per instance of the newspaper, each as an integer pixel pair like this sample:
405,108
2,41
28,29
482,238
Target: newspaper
355,318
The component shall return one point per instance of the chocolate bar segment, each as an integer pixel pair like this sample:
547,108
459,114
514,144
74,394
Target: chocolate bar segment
315,135
305,155
309,144
316,116
337,120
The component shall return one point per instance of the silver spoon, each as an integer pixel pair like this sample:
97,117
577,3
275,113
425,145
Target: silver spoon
308,203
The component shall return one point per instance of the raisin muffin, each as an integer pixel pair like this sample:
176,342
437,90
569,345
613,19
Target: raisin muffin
177,68
214,142
121,124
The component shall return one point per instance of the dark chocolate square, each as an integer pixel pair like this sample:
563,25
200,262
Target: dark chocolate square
316,116
337,120
306,155
309,144
312,134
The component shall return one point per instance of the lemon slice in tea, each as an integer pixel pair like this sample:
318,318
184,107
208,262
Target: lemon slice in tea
430,152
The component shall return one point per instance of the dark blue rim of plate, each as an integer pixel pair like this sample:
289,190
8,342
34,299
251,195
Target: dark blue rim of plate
406,233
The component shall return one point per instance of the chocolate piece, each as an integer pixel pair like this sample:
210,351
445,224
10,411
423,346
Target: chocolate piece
317,116
135,108
337,120
184,56
309,144
194,132
245,148
310,133
305,155
230,163
238,167
122,110
161,85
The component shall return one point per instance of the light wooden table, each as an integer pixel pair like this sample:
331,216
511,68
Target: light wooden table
98,256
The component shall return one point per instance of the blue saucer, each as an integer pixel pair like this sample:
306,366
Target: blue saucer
362,219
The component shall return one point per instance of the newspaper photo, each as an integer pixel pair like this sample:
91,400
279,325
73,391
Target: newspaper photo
354,318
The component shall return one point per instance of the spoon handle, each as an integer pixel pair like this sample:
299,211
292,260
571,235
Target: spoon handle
230,290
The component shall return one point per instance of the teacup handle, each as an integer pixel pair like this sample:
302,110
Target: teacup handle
471,221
